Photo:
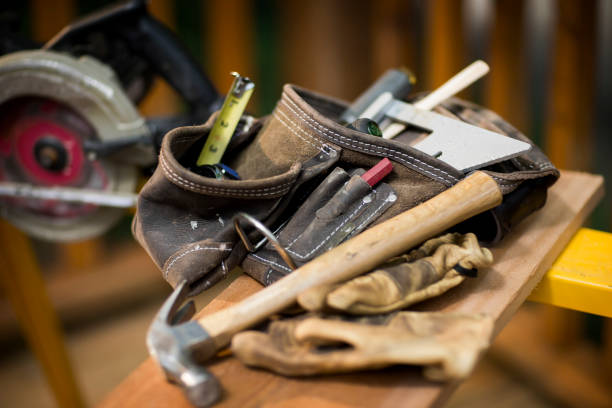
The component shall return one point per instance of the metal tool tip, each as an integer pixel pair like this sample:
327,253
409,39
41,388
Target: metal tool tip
204,393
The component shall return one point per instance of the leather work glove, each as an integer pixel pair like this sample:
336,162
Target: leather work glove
447,344
438,265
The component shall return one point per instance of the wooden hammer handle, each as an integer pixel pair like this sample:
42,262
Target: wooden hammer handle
471,196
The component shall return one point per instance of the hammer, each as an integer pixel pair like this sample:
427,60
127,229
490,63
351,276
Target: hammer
180,347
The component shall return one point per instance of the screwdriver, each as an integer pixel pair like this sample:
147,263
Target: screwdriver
397,81
235,102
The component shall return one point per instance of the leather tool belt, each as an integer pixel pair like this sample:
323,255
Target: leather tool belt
300,177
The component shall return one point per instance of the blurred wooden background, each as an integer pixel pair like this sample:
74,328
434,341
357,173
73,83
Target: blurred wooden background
551,65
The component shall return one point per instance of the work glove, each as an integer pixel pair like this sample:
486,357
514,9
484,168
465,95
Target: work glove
438,265
447,344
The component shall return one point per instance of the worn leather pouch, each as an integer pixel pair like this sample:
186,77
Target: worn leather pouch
318,226
184,220
341,207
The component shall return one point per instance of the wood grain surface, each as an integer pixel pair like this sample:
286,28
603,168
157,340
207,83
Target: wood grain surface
520,262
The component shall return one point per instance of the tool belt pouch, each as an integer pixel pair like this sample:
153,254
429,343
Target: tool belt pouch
343,204
184,220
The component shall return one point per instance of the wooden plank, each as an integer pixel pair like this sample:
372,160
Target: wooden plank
48,21
396,35
228,35
76,256
506,81
521,260
127,277
561,374
607,350
568,140
325,46
22,282
445,49
161,99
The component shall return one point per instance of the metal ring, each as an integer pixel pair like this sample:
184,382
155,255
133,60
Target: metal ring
266,233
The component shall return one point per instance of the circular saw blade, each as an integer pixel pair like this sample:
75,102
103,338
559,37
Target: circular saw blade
50,104
41,144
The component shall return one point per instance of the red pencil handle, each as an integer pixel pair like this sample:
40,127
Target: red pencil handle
378,172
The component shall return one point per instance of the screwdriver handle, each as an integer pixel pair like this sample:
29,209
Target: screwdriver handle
456,84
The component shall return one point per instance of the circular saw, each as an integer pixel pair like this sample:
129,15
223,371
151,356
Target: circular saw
52,107
73,143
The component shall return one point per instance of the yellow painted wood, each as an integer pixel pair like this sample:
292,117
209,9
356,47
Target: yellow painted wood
76,256
581,278
445,45
228,35
24,288
569,143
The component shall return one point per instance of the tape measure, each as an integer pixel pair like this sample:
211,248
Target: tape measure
225,124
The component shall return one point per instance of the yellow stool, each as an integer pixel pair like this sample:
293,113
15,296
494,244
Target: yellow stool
581,277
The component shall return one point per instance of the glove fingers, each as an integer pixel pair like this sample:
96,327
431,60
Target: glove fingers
460,249
403,280
375,289
447,344
450,281
478,256
313,299
294,349
334,331
260,350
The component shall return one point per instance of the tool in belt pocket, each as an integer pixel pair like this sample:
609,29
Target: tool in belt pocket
184,220
343,205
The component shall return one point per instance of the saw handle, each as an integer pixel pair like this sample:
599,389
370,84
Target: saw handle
150,39
471,196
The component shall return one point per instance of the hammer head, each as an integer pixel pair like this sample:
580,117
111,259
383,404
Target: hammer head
179,345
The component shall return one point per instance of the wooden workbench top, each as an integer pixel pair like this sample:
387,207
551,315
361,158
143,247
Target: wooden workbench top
520,262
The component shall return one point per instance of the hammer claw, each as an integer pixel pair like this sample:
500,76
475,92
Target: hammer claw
169,309
180,345
184,313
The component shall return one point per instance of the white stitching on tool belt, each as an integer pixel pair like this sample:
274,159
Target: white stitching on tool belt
228,193
274,191
334,136
268,262
321,147
285,268
350,142
326,238
299,235
505,181
226,189
371,215
197,248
